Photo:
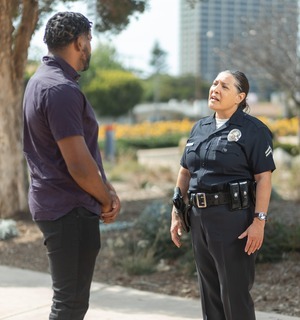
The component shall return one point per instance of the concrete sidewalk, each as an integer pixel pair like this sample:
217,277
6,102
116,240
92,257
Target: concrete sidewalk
26,295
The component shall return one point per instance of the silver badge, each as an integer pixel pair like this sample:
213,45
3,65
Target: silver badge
234,135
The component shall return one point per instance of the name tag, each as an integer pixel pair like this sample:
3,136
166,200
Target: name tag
190,144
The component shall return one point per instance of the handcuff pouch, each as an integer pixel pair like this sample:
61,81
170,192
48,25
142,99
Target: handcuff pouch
235,201
240,194
244,194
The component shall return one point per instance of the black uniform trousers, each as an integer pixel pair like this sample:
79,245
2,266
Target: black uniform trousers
225,271
73,243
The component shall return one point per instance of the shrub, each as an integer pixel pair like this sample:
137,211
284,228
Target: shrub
279,239
275,243
139,262
292,149
165,141
154,226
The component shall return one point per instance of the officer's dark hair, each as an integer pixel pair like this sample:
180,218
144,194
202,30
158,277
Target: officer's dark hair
242,84
65,27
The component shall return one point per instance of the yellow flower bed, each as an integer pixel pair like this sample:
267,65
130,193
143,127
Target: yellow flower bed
148,129
280,127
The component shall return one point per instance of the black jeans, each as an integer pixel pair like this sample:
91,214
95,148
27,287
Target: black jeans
73,243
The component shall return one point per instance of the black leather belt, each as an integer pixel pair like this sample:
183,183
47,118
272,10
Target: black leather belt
203,200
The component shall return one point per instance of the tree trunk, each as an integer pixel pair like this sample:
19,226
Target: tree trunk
13,197
14,43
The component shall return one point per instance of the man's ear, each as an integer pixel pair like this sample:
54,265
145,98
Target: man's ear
78,43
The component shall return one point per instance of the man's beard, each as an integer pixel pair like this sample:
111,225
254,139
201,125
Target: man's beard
86,57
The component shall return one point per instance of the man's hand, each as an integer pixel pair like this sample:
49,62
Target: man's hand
110,213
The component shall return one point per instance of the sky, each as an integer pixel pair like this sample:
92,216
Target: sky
160,23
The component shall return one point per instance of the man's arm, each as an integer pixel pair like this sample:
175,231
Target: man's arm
84,170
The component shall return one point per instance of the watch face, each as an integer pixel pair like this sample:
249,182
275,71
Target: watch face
262,216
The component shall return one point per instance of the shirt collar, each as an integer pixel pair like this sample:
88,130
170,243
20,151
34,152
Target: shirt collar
61,63
208,120
237,118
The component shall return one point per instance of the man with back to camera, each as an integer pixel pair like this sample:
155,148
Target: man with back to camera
68,190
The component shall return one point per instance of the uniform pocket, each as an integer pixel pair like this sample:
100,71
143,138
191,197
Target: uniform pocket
192,156
226,156
227,147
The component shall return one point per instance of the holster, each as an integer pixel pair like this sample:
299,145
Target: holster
240,194
182,209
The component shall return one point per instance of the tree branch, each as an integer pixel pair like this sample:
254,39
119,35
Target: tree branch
29,19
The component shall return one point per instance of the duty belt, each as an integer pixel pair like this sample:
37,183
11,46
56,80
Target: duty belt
203,200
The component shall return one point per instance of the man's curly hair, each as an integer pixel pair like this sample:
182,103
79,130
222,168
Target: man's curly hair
65,27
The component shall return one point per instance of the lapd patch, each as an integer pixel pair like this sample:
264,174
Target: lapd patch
234,135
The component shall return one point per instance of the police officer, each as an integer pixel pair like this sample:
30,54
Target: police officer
226,164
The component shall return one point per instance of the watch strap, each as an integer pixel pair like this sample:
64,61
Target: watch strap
262,216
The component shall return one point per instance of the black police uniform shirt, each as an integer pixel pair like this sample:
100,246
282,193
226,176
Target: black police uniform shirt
238,150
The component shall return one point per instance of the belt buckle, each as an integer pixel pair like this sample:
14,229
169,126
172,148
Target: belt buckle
201,200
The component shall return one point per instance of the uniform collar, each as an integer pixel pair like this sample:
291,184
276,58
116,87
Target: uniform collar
237,118
209,120
62,64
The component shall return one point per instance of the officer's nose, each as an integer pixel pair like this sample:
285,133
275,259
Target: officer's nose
217,88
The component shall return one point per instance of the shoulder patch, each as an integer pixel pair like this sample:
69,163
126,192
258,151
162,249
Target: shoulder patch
268,151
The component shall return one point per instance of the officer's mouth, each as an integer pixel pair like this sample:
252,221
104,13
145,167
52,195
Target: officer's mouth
213,98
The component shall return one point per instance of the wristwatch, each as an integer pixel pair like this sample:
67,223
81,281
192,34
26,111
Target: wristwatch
262,216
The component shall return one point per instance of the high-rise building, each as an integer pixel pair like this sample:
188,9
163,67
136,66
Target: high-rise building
207,29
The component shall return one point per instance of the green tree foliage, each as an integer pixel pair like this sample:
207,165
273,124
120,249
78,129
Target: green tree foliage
115,14
186,87
113,92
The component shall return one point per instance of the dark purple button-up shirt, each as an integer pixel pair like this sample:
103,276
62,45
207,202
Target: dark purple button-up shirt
55,108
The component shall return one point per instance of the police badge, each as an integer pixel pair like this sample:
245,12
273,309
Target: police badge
234,135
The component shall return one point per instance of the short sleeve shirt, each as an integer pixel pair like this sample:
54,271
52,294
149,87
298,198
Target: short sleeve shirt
55,108
238,150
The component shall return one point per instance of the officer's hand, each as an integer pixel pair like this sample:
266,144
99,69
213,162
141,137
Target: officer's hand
109,216
255,234
176,230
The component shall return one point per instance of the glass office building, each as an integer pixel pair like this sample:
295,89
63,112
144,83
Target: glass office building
207,29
